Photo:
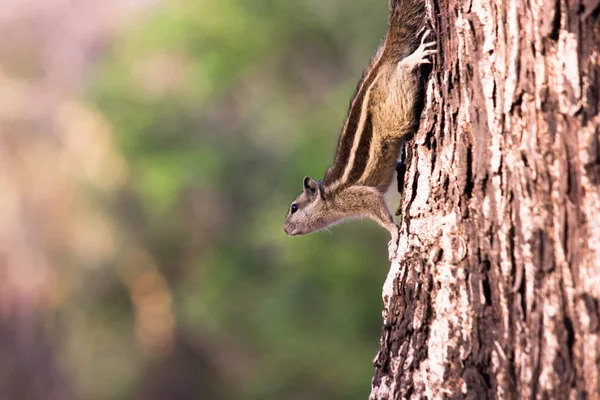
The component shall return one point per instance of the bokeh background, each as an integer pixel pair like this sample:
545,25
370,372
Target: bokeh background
149,151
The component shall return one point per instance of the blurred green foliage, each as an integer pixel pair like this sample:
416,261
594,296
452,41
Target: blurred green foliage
220,108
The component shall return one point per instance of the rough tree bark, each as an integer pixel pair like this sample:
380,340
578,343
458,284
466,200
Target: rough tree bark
496,291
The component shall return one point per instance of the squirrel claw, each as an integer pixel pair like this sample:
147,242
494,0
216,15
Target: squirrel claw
427,33
420,56
424,28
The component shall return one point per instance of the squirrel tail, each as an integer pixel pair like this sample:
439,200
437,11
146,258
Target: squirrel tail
405,24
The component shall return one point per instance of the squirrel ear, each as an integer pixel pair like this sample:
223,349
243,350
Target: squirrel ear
310,185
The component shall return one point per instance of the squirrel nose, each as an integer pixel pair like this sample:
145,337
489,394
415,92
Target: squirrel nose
289,231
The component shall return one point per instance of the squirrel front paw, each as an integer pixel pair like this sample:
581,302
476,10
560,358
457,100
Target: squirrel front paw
393,243
392,249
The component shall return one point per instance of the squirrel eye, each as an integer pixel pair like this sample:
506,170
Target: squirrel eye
294,208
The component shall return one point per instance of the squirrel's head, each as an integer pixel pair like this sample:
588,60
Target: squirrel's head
308,213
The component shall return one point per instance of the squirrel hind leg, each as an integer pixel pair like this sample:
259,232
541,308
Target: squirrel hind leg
421,55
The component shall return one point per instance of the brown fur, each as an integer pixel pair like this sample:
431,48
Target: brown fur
381,113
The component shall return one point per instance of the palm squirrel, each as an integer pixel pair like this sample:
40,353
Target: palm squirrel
382,113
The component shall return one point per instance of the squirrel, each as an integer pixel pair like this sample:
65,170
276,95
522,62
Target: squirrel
381,115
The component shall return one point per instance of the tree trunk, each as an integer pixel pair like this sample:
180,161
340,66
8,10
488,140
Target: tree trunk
496,291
